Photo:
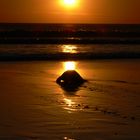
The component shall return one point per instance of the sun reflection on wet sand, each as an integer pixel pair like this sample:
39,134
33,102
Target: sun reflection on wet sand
69,49
69,105
68,102
66,138
69,65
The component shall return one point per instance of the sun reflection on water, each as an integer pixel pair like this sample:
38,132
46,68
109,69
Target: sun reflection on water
69,49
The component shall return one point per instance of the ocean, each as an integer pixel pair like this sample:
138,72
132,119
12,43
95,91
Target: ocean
68,51
68,41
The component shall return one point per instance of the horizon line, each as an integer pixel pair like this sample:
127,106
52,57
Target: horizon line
69,23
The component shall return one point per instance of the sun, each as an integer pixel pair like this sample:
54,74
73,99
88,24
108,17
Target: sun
70,2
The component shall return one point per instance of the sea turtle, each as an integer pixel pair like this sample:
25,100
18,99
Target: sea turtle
70,80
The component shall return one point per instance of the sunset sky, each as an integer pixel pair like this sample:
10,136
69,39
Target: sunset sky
83,11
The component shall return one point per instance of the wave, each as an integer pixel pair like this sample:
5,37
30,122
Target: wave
69,40
69,33
67,52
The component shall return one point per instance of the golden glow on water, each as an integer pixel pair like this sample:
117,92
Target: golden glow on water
69,49
70,65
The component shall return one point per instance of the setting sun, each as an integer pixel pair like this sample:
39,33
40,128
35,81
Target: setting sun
69,2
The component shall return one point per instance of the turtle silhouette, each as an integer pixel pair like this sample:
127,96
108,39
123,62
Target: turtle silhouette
70,80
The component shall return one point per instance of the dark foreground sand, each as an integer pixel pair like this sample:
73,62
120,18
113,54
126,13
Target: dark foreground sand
33,106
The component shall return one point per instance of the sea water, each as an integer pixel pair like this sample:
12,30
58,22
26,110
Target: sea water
68,51
68,41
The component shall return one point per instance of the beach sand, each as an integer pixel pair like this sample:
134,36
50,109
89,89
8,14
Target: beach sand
33,106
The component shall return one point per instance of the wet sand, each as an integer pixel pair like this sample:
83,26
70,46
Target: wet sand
33,106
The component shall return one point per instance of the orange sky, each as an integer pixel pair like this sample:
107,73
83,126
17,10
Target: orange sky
86,11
